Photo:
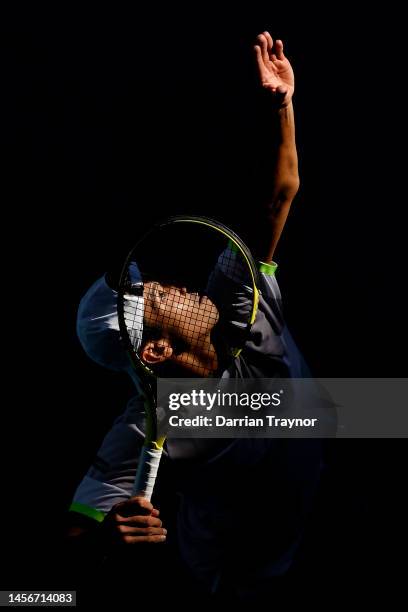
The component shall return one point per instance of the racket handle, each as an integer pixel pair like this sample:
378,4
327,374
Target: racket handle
147,471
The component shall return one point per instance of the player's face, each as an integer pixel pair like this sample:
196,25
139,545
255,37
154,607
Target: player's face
188,316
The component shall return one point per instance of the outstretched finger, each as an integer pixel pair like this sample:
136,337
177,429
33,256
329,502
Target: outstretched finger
260,62
279,49
263,43
269,41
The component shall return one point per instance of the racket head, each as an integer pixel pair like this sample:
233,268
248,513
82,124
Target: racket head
175,296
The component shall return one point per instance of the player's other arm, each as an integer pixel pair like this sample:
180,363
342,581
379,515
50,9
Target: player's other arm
279,168
103,510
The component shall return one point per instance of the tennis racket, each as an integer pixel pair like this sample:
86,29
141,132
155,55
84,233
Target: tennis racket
187,298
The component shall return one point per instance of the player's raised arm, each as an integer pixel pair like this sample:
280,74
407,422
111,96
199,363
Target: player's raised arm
280,171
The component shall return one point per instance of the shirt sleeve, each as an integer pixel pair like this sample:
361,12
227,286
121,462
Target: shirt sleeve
110,478
231,289
270,349
272,307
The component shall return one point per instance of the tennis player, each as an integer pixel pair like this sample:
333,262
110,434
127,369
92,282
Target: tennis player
244,502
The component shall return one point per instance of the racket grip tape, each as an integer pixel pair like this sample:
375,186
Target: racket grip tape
146,474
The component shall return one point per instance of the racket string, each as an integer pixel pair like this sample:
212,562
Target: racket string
187,319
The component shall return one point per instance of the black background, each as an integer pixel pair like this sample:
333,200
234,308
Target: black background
114,118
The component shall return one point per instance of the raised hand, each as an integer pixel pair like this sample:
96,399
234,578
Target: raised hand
274,69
